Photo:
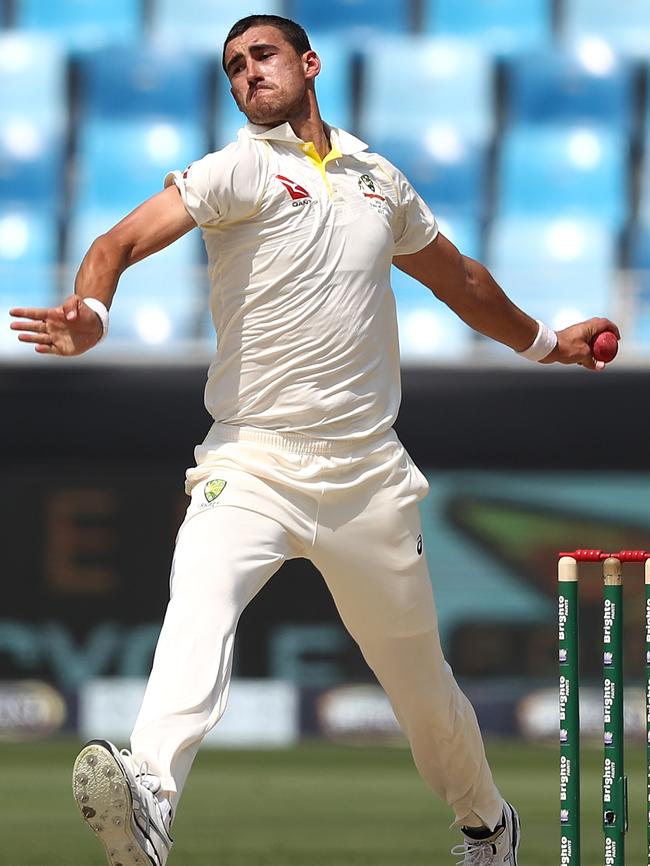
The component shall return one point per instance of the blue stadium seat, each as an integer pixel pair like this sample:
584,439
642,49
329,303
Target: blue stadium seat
32,80
558,270
29,241
625,24
119,164
447,172
639,264
33,116
228,118
83,25
502,27
333,87
572,87
428,330
31,165
640,249
141,82
644,180
647,103
203,24
356,16
417,86
548,171
159,299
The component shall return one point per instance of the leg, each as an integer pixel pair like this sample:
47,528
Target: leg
378,577
223,557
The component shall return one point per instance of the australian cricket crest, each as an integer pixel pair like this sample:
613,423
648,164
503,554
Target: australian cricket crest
371,191
213,489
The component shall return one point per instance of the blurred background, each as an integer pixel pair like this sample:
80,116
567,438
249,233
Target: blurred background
525,126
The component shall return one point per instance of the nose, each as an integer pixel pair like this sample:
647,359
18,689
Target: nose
253,72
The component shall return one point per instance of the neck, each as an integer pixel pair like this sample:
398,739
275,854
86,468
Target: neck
313,129
308,125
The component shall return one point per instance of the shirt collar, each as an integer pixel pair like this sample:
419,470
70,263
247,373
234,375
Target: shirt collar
339,138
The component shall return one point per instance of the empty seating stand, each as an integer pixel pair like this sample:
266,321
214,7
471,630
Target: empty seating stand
586,85
135,82
202,25
354,18
560,171
561,270
624,25
82,25
502,27
415,87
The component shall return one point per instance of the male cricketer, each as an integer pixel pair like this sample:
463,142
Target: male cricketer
301,225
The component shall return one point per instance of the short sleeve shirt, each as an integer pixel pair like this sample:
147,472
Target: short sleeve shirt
299,255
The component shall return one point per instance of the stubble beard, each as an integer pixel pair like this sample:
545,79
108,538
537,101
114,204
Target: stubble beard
274,112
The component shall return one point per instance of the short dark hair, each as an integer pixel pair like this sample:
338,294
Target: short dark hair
292,31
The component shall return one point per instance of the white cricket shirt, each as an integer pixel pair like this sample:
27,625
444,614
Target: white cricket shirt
299,255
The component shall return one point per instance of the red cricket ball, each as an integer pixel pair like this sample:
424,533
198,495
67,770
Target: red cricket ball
605,347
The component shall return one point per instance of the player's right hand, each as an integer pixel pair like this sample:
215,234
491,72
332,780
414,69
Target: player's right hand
70,329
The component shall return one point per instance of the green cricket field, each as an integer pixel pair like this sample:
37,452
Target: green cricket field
312,805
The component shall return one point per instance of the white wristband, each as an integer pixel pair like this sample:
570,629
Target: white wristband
99,308
542,345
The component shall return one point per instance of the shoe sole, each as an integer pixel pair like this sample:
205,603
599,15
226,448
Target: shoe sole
104,799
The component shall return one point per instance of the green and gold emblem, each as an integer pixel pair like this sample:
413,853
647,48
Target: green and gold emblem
213,489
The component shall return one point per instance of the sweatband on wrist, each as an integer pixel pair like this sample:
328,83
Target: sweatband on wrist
542,345
99,308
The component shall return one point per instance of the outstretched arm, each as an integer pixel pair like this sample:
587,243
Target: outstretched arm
471,292
73,328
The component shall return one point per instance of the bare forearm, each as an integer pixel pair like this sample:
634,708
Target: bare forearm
151,227
485,307
470,291
100,270
73,327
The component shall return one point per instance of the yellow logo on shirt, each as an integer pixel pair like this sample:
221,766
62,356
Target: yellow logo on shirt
213,489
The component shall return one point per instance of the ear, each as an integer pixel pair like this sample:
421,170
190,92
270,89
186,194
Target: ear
311,64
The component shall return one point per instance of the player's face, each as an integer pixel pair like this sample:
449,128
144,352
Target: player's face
268,78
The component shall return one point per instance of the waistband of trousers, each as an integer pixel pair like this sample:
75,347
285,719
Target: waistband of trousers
296,443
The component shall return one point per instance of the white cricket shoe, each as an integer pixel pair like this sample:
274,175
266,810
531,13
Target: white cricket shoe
499,848
118,801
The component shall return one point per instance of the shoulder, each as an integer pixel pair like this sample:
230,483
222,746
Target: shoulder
226,185
246,154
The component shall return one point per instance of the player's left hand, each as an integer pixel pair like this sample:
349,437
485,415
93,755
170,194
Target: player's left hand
574,344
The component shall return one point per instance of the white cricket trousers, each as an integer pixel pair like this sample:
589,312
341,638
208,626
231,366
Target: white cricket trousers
259,498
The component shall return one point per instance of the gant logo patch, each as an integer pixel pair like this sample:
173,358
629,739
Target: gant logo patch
294,189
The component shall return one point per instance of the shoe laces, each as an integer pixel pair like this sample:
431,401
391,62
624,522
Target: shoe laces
475,853
142,774
145,780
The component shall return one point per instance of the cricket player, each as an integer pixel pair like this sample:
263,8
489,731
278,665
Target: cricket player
301,224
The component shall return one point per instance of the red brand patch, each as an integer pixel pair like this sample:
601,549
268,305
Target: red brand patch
294,189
